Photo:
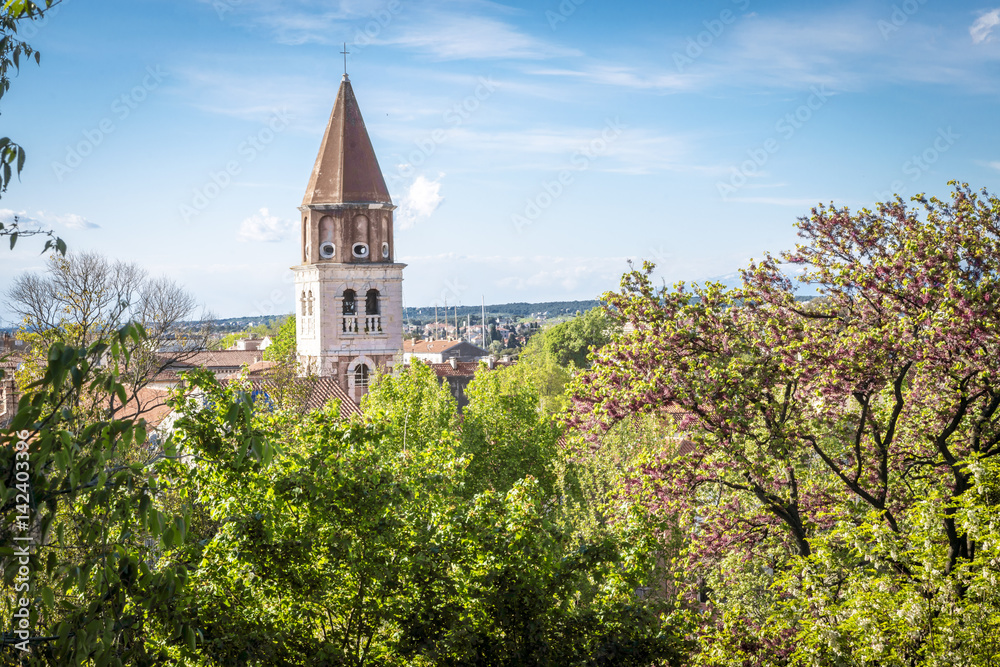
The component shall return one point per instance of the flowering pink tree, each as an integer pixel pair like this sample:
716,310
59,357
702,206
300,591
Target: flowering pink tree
842,447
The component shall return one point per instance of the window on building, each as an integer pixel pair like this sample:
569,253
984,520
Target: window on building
303,302
309,303
350,302
371,302
361,376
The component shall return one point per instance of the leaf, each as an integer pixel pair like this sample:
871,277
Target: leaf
13,238
120,392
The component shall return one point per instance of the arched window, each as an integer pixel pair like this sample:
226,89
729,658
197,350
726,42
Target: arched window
350,304
371,302
361,376
326,247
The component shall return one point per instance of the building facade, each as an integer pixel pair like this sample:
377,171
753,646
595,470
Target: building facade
348,287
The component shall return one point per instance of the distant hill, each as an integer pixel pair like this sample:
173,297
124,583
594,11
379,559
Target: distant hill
516,311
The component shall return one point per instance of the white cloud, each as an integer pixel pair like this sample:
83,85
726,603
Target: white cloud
420,201
995,164
74,221
626,77
41,219
982,28
260,96
779,201
538,274
265,228
433,28
616,147
459,37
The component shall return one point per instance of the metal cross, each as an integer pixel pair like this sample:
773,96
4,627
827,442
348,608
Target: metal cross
345,52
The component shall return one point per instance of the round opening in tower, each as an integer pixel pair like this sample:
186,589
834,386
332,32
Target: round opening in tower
327,250
385,250
360,250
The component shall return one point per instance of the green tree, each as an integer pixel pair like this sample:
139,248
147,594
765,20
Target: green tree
521,593
85,298
505,434
81,524
12,155
539,368
245,539
840,461
377,557
570,342
412,407
283,342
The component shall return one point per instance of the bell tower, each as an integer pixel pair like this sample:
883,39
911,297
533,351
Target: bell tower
348,288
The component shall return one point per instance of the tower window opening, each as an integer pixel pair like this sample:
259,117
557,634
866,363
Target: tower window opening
385,250
371,302
360,250
309,303
327,250
303,301
361,376
350,302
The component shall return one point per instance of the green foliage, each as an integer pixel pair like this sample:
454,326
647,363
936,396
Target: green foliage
412,407
89,507
520,594
569,343
283,343
551,357
537,367
274,328
246,538
593,476
350,550
505,434
838,492
12,155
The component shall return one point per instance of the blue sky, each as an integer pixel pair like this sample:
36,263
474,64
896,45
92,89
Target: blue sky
532,148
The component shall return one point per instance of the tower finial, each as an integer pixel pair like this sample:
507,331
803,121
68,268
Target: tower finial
345,52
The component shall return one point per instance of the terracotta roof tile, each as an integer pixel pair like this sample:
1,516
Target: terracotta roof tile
322,390
429,346
346,169
215,359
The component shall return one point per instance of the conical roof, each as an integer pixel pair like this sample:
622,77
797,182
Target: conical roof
346,169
